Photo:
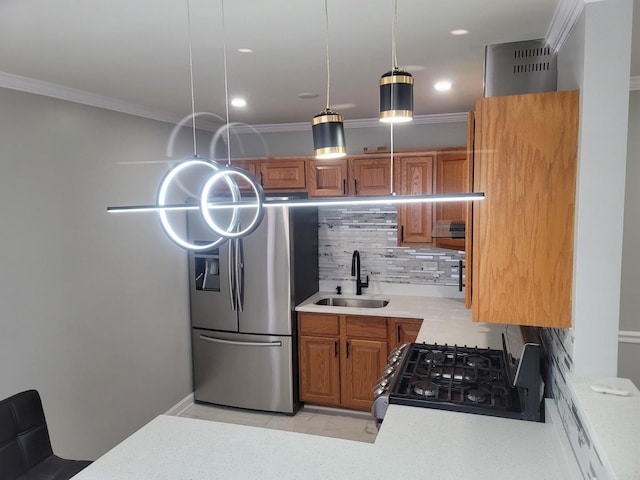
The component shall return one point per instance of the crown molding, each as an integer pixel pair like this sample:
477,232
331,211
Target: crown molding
634,84
564,18
39,87
47,89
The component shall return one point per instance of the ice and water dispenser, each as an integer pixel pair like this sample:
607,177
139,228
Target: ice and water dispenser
207,270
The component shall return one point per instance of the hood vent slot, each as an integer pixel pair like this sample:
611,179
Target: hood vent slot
519,67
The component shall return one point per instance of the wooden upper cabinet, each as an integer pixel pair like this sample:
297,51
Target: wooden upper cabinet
369,176
282,174
327,178
415,176
525,163
468,231
451,176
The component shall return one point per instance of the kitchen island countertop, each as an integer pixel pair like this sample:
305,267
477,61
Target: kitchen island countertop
412,443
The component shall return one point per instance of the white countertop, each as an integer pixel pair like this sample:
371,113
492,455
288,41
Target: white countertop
447,319
412,443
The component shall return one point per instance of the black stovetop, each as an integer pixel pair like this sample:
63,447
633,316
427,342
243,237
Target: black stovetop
471,380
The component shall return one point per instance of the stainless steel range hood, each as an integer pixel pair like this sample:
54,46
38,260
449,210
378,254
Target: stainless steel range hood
519,67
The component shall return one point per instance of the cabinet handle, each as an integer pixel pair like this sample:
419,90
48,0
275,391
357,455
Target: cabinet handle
460,267
402,233
261,179
335,348
398,334
355,186
344,186
347,349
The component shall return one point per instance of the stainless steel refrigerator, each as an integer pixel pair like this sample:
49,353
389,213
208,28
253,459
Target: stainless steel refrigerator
243,296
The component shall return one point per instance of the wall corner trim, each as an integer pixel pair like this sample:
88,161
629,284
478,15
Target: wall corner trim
634,84
628,336
563,20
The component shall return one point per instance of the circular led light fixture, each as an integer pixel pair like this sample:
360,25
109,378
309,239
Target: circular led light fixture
238,102
396,96
232,230
162,201
328,135
459,31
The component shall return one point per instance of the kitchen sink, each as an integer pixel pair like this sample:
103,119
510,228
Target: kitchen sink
352,302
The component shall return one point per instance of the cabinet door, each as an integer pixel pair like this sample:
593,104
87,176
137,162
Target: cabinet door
327,178
319,370
364,363
403,330
415,220
525,163
468,231
369,176
451,176
282,174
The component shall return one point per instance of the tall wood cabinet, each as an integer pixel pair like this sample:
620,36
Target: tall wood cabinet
525,162
415,176
451,176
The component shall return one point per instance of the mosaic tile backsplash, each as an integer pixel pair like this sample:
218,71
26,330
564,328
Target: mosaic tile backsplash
558,347
373,232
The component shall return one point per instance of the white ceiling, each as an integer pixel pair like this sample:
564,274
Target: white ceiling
136,51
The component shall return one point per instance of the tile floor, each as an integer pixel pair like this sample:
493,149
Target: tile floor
326,422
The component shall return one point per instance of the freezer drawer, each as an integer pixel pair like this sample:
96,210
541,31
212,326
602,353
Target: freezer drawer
240,370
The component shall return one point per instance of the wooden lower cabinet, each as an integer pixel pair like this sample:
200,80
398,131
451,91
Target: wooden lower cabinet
403,330
320,370
365,360
341,370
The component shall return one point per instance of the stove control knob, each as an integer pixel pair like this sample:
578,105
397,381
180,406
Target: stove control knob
378,391
389,370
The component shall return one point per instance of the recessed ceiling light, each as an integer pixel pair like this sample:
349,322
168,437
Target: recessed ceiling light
307,95
245,50
459,31
238,102
413,68
443,86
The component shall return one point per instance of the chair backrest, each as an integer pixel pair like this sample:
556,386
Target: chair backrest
24,437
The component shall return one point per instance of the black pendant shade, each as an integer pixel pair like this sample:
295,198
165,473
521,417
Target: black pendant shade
396,96
328,135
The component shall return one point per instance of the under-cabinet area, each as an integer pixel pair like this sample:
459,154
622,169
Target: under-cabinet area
341,357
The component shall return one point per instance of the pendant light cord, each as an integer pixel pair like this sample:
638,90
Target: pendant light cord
326,17
226,86
193,101
394,66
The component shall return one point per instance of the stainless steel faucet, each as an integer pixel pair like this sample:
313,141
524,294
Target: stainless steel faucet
355,271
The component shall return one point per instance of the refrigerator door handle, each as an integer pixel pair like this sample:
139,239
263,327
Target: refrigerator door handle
240,274
231,276
241,344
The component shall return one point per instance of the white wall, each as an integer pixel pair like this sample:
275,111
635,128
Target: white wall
93,306
596,60
629,353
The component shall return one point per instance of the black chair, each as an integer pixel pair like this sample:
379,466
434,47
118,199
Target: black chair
25,447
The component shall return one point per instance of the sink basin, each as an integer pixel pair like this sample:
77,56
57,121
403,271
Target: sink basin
352,302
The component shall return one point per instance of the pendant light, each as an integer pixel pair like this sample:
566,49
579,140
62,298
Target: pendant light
327,126
396,86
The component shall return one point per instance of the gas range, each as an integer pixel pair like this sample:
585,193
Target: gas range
466,379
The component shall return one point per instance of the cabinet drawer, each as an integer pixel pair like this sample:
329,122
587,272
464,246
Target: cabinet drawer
366,327
318,324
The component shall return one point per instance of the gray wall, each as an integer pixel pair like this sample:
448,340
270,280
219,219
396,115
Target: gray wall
629,353
301,142
94,306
